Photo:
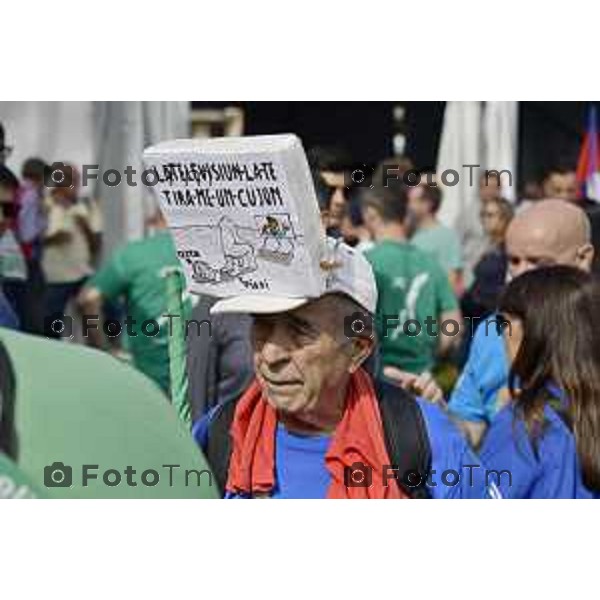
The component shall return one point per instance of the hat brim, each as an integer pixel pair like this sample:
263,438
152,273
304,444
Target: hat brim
257,304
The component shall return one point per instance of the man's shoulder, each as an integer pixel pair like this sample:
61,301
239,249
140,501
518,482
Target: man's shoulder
417,256
438,232
388,247
487,359
487,338
440,427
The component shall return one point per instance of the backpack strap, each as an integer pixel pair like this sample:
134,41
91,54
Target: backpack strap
404,428
406,438
218,447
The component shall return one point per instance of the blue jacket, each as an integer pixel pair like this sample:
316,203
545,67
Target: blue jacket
485,374
551,470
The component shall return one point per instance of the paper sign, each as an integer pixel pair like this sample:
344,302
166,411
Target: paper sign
243,214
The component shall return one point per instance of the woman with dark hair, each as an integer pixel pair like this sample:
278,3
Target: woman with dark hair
547,440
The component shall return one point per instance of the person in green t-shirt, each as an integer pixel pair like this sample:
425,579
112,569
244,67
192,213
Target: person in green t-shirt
433,237
417,319
136,274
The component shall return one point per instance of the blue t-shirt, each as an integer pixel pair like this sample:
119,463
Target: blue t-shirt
553,473
300,470
485,374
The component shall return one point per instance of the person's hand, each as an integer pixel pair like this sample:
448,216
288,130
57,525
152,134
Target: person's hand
424,385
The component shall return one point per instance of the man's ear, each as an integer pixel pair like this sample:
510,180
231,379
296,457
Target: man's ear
585,256
360,350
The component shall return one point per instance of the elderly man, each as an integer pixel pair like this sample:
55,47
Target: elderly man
312,425
550,232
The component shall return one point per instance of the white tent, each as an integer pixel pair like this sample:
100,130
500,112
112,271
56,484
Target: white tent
482,134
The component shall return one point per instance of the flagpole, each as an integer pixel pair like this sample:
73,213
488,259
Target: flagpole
176,344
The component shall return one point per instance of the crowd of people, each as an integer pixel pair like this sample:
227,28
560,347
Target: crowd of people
51,243
483,363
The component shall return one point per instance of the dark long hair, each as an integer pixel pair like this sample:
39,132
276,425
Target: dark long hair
559,308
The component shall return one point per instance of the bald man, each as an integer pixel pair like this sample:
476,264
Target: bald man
560,183
550,232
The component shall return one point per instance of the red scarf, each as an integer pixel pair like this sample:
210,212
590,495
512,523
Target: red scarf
357,438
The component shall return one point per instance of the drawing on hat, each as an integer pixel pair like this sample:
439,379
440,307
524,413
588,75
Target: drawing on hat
239,247
228,241
243,214
278,238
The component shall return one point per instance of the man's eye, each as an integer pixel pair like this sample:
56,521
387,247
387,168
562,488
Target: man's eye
303,330
262,329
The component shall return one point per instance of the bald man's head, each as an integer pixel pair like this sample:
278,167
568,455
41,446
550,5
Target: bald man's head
551,232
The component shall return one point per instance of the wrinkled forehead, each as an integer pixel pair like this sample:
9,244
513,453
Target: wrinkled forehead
333,178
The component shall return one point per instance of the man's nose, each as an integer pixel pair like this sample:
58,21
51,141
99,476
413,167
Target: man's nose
522,267
274,355
338,198
275,350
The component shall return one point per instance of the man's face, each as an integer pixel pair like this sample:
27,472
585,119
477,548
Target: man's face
535,247
489,188
418,207
491,219
301,355
338,200
561,186
372,220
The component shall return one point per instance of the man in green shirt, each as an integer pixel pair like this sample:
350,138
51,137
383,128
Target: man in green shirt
417,317
136,274
432,236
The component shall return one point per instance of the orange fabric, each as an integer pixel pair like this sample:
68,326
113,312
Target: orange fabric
358,438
